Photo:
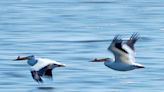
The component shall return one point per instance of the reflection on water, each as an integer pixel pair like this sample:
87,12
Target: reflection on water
46,88
42,89
75,32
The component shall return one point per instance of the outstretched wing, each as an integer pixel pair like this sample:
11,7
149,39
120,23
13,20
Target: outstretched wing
36,76
133,39
122,52
46,71
44,67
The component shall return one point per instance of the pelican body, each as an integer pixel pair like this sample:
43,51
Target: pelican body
40,66
124,53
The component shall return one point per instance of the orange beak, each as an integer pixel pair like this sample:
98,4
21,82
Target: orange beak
21,58
100,60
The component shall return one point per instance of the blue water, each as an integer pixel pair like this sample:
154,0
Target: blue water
74,32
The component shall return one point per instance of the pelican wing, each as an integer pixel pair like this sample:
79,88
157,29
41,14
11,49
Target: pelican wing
133,39
122,52
36,76
46,71
43,62
131,55
43,67
117,43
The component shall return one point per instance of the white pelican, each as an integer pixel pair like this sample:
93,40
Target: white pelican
40,66
124,53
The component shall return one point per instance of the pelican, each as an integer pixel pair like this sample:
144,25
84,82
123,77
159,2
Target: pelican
40,67
124,53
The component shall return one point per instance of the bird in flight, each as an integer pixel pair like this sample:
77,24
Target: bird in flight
40,67
124,53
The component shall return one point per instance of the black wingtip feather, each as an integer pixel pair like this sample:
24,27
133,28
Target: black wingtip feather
48,73
133,39
36,76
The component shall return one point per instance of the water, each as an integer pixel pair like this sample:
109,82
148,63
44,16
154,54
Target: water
74,32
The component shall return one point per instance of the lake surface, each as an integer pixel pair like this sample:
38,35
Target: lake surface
74,32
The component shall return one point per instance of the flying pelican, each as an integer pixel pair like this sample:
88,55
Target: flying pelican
40,66
124,53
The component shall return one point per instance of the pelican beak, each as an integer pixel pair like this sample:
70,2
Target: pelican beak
100,60
21,58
